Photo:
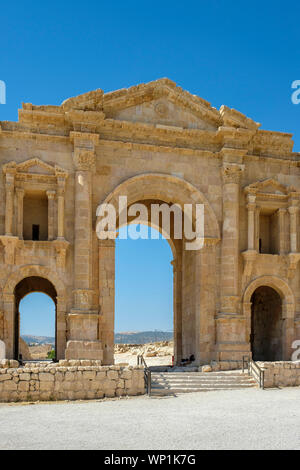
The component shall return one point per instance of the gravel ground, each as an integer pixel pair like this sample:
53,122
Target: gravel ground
241,419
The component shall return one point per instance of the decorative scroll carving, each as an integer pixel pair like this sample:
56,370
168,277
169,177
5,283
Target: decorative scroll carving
232,173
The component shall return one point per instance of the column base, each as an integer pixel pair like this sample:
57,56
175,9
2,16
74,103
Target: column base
84,350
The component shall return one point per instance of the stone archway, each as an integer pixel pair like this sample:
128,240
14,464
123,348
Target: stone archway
269,305
194,271
9,306
25,287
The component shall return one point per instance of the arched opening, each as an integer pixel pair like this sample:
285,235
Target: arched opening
144,318
266,325
32,307
194,305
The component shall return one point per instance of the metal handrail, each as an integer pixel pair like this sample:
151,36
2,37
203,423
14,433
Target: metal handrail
147,373
253,369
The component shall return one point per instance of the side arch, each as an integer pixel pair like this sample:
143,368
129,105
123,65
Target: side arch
10,305
278,284
288,309
34,271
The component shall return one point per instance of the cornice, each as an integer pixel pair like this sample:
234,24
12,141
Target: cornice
159,148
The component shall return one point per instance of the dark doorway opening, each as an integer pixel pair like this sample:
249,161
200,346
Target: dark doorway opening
266,325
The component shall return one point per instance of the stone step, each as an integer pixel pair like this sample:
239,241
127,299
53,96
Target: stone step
160,392
200,374
187,379
197,383
166,383
201,384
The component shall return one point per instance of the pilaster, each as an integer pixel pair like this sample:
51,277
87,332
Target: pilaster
232,170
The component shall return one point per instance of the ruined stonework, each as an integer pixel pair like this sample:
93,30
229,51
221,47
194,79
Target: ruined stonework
73,380
152,142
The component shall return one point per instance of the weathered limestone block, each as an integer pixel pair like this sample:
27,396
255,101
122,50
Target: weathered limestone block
46,377
25,376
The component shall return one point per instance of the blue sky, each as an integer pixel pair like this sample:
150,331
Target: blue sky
144,288
242,54
37,315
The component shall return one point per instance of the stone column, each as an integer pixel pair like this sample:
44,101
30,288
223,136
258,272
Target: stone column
107,298
230,238
257,228
9,325
282,220
61,211
177,307
293,210
251,221
51,197
20,212
206,297
9,205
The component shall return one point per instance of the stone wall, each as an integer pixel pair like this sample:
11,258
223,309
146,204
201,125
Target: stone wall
281,374
68,380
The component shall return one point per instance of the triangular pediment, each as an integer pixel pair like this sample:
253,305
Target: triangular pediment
163,112
268,186
161,102
35,166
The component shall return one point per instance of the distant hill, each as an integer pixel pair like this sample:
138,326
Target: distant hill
142,337
130,337
29,339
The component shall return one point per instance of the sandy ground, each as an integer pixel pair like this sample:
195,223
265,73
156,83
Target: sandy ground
155,354
131,360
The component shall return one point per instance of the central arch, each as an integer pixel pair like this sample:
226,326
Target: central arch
162,188
169,189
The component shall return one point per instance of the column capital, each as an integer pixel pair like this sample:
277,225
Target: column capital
51,194
251,199
293,210
282,210
20,191
232,172
10,169
84,159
